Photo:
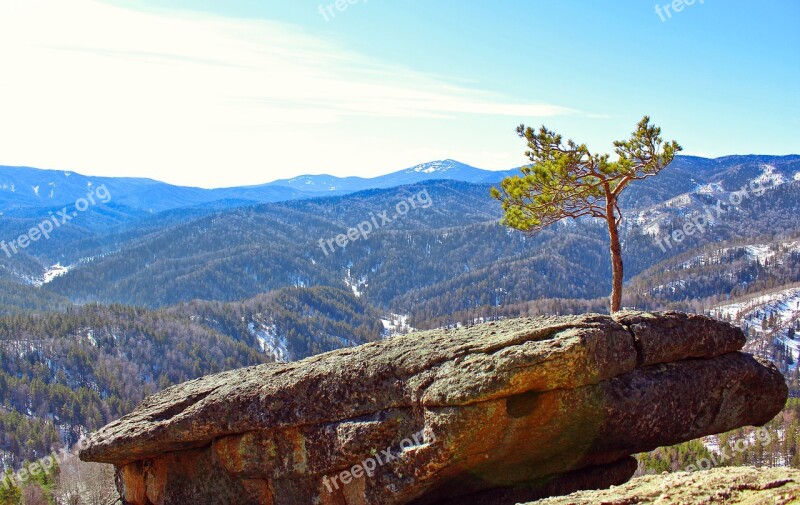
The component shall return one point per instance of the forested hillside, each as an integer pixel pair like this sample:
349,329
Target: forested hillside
75,371
63,373
776,444
448,257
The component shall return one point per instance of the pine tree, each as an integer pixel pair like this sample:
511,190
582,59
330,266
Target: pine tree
568,181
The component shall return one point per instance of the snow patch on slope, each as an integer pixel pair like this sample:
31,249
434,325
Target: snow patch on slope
355,284
769,177
785,305
54,271
679,201
782,312
90,337
396,324
760,252
270,342
649,220
710,189
51,273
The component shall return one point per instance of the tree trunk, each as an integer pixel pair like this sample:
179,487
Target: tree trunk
616,263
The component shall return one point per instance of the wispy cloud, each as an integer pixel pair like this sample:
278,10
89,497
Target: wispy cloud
95,84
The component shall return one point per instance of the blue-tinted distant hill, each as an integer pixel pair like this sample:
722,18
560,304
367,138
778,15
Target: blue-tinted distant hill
450,170
24,188
683,174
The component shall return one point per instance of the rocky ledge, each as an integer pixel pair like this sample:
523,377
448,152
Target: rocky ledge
729,486
501,412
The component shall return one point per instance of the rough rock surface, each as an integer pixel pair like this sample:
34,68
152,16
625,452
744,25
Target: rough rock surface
721,486
496,413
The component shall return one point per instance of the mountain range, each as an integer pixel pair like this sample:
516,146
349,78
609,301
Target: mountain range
450,170
226,252
24,188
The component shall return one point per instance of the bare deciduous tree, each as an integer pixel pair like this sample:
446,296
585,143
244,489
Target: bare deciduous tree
82,483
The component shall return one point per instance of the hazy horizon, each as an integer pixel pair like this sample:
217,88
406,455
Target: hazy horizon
322,174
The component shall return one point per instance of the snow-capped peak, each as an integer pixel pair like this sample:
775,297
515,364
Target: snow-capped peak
434,166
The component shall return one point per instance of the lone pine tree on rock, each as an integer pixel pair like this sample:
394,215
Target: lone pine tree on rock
567,180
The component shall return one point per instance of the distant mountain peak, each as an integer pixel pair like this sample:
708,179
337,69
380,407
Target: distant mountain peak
435,166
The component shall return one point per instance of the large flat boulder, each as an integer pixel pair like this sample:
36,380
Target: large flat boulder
493,413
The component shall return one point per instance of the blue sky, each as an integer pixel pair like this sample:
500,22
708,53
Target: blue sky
210,93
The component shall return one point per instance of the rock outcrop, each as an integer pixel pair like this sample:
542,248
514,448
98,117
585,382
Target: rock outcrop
497,413
728,486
